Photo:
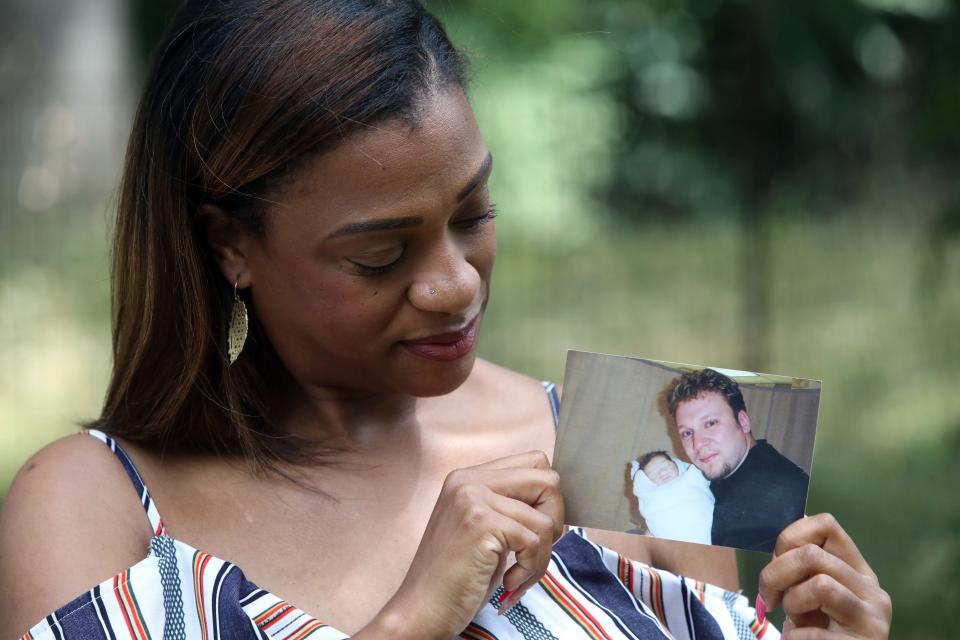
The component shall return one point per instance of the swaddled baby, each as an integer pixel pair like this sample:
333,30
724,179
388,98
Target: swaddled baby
674,498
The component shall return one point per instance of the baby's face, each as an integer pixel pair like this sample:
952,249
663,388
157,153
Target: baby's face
661,470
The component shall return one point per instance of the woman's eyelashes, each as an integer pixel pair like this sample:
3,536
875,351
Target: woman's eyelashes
478,221
378,263
381,262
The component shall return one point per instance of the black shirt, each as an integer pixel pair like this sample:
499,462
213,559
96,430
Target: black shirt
758,500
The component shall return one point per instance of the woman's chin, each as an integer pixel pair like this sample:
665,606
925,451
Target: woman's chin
432,378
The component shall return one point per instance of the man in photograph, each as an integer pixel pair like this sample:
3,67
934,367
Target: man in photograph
758,491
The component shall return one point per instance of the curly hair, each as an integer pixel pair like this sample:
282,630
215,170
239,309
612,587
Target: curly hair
694,383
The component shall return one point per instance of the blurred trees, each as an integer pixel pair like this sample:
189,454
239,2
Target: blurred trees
728,106
148,19
747,108
731,102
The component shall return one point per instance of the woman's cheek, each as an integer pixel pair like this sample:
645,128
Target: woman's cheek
358,305
483,254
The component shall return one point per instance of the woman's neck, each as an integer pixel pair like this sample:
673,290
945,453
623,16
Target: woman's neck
359,423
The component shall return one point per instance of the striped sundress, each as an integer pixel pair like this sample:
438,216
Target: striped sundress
178,592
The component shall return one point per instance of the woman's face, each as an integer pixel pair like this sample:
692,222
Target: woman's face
374,269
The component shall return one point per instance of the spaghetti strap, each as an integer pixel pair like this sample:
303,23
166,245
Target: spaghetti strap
156,522
554,398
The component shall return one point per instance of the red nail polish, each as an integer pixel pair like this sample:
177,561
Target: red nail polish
761,607
503,596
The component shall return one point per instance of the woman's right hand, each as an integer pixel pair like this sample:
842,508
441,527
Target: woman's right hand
827,589
483,514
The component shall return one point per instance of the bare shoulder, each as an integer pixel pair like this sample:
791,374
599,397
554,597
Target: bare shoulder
518,401
71,520
520,393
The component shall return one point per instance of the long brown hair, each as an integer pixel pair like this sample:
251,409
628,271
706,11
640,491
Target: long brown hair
239,95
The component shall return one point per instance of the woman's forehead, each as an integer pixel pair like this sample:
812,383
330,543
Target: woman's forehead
394,167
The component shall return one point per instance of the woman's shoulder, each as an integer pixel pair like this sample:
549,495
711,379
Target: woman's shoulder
70,520
510,390
516,402
507,382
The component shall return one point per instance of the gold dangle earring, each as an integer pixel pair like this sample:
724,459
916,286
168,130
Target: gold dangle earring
237,333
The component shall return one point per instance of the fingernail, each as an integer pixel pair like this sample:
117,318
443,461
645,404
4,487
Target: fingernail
503,596
761,607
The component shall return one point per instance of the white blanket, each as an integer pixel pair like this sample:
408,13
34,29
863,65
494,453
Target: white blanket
679,509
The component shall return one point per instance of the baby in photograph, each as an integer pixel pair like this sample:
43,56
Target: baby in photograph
674,497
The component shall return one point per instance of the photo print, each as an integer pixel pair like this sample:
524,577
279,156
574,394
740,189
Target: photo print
685,452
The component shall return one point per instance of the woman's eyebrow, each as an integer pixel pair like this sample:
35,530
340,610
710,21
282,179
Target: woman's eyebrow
482,173
389,224
386,224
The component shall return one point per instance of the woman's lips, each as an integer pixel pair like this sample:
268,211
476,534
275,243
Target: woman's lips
445,346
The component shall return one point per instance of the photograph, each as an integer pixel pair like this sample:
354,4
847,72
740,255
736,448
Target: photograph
685,452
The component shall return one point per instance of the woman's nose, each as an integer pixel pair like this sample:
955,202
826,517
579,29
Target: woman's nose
447,284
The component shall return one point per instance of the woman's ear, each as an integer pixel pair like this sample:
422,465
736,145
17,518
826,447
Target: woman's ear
224,237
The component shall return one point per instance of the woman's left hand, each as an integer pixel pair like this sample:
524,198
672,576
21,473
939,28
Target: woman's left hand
827,589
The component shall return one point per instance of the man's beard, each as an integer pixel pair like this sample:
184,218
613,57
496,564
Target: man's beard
728,468
725,471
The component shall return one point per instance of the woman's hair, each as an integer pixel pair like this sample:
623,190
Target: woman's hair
241,93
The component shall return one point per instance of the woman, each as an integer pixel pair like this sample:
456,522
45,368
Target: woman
303,255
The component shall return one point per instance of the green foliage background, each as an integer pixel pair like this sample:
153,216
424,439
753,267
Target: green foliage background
759,185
